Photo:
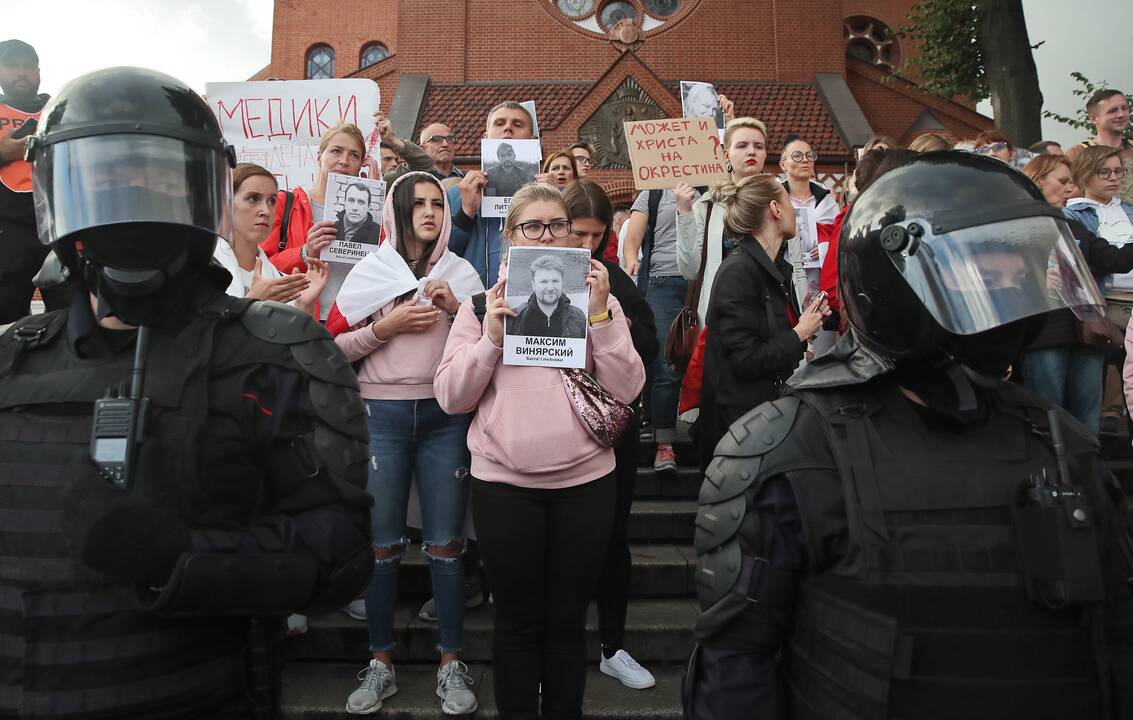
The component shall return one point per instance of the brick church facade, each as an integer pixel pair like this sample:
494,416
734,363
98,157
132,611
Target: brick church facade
815,68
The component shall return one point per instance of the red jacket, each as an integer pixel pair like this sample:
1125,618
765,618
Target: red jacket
828,279
289,258
612,248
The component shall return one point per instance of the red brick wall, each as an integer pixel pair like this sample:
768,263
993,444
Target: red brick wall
345,25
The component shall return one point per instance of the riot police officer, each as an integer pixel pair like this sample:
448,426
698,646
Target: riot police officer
904,534
173,461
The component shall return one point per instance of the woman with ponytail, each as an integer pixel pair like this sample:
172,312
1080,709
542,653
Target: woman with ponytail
756,334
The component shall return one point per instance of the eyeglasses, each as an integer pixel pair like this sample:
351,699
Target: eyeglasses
582,160
799,155
534,230
989,149
1107,173
450,139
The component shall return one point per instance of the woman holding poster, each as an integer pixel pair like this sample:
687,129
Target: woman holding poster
543,488
400,302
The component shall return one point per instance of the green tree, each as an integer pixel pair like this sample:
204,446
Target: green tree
1079,120
978,49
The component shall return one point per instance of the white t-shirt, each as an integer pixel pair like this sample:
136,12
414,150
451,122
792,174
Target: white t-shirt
1115,228
241,278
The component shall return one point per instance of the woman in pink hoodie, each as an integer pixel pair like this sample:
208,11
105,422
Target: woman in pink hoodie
543,490
401,301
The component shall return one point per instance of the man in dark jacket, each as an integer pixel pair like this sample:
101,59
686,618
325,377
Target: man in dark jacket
20,251
355,224
155,536
548,311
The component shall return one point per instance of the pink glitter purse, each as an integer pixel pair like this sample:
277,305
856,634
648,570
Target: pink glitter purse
605,418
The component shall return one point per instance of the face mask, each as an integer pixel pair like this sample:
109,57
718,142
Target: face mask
989,353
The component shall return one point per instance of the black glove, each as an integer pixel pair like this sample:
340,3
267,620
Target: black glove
119,533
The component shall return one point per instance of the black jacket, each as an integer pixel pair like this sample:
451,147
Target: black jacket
369,232
642,325
751,347
1060,327
566,321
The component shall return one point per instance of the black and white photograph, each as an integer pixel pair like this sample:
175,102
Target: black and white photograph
698,99
509,165
547,289
354,205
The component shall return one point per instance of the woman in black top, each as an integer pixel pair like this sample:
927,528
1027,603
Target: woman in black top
591,215
756,335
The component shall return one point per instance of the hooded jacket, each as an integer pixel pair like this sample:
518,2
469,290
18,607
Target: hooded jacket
402,367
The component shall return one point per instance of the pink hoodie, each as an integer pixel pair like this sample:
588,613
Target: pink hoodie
525,431
401,368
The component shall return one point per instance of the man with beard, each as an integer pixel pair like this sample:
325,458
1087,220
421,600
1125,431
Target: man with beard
355,223
507,177
548,311
905,534
20,106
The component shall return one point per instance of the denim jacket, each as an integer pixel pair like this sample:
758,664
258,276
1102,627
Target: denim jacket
1088,216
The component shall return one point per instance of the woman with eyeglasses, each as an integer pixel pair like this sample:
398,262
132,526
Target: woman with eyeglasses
797,163
543,489
1057,365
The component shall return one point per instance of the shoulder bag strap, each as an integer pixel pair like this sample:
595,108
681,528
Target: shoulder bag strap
692,296
285,221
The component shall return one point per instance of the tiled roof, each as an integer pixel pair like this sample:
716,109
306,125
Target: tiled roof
464,108
785,107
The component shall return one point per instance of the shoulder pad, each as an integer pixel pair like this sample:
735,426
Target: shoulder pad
281,324
719,522
740,453
340,407
717,572
323,359
760,430
29,333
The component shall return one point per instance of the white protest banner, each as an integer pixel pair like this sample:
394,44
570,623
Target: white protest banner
546,286
278,123
354,204
665,152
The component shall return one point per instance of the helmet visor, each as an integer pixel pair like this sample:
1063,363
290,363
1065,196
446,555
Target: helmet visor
978,278
107,180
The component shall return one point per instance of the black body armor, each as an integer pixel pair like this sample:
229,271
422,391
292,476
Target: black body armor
84,644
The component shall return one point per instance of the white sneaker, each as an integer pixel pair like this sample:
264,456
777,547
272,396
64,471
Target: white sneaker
378,683
356,609
625,669
453,688
296,624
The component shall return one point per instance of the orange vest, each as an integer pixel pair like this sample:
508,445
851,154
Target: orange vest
16,175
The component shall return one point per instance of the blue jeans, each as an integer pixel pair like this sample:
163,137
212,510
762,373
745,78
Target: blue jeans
666,297
416,439
1069,376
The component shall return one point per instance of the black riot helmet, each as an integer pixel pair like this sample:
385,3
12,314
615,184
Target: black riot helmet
947,250
132,183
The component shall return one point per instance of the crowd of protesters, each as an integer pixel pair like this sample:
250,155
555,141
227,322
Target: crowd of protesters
516,498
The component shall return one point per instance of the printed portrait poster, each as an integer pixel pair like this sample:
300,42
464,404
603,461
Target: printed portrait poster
509,165
665,152
698,99
278,123
354,205
547,289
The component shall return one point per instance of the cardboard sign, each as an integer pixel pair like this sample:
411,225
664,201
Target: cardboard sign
666,152
546,286
277,124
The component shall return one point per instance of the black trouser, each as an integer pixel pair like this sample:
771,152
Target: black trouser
613,585
543,551
21,256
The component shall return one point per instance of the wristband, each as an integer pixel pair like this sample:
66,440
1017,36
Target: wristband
600,317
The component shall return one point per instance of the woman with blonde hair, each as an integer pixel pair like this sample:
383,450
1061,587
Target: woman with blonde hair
756,333
543,488
930,142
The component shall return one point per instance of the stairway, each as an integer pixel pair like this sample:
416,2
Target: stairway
323,664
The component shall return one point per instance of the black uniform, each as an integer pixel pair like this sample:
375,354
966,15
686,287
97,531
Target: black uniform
906,535
252,475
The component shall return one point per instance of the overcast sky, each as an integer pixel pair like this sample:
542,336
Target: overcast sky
214,40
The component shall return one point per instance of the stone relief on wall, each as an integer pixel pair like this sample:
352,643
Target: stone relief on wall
603,129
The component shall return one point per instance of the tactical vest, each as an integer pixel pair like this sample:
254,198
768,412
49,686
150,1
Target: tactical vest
926,616
80,644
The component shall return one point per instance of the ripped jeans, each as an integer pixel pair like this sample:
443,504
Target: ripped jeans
416,439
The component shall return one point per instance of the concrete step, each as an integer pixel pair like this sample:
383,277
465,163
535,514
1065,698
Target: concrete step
657,631
684,483
318,691
661,570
